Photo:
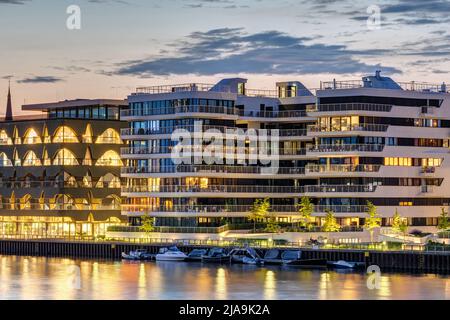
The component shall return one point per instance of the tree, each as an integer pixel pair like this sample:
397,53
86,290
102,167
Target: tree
396,222
147,224
443,223
373,220
272,225
306,209
403,227
259,210
330,224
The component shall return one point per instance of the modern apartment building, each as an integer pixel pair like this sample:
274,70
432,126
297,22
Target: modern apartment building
352,142
60,169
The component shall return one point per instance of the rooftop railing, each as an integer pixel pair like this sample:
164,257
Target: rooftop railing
186,87
136,112
407,86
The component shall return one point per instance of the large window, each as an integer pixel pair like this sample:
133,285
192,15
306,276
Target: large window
65,157
31,137
65,134
109,136
31,160
110,158
4,160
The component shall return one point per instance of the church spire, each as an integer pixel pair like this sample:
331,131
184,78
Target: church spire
9,114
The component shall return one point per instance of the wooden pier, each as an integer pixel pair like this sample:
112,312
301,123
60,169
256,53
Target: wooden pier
408,261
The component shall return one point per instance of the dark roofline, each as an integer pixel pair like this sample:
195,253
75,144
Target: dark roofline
75,103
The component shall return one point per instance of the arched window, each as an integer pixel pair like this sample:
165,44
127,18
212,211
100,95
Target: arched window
87,180
65,157
4,161
109,158
31,160
46,159
31,137
16,158
4,139
64,202
87,136
65,134
87,161
108,181
109,136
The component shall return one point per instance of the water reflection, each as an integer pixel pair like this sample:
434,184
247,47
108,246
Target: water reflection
44,278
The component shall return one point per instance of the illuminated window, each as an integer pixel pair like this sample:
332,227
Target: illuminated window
46,136
4,161
431,162
31,160
109,158
17,139
65,157
153,184
406,204
87,181
31,137
16,158
108,181
65,134
109,136
87,136
87,161
404,162
46,159
203,183
4,139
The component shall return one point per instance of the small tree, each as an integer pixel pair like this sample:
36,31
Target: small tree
272,225
147,224
306,209
443,223
373,220
403,227
396,222
259,210
330,224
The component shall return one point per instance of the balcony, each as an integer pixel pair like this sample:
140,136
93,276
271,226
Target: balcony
356,127
336,148
250,189
344,168
202,169
178,110
273,114
339,107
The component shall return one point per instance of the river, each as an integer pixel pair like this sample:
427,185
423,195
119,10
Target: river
54,278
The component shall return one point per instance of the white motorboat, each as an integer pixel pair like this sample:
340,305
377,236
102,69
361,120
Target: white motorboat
139,254
170,254
246,256
342,264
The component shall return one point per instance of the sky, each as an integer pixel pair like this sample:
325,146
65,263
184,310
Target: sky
124,44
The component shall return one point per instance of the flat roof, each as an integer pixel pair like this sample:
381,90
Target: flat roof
75,103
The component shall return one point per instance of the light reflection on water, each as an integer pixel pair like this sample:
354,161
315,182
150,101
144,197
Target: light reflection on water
48,278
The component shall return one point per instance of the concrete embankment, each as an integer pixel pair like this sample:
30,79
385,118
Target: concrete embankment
409,261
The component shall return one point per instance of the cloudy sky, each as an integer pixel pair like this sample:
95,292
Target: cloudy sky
123,44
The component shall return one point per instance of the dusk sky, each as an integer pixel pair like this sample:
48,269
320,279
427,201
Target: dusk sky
124,44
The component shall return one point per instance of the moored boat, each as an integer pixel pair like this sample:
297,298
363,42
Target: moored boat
245,256
342,264
273,256
216,255
139,254
170,254
293,258
196,255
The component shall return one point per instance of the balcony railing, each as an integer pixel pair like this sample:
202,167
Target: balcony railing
356,127
178,110
211,169
225,151
348,148
56,184
190,128
344,168
55,207
349,107
408,86
273,114
171,229
251,189
193,209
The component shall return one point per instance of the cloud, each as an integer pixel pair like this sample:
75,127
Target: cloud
414,6
40,79
232,51
13,1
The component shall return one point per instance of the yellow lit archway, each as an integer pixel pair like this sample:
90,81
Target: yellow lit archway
65,134
31,160
109,136
109,158
31,137
65,157
4,160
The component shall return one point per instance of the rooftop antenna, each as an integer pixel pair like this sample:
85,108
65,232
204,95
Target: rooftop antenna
378,74
443,87
9,113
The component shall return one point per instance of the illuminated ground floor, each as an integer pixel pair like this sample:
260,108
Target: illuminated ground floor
55,226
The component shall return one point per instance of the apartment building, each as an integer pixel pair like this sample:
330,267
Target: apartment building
60,169
348,143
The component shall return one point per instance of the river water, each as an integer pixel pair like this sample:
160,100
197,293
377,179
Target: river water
54,278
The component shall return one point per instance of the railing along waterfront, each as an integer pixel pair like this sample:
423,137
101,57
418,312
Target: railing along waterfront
136,112
292,209
171,229
347,148
336,107
312,168
211,169
356,127
250,189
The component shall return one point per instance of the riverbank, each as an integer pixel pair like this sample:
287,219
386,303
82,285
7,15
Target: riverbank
409,261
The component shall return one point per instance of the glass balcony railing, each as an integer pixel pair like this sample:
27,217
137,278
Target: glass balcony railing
178,110
344,168
347,148
349,107
211,169
273,114
251,189
356,127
